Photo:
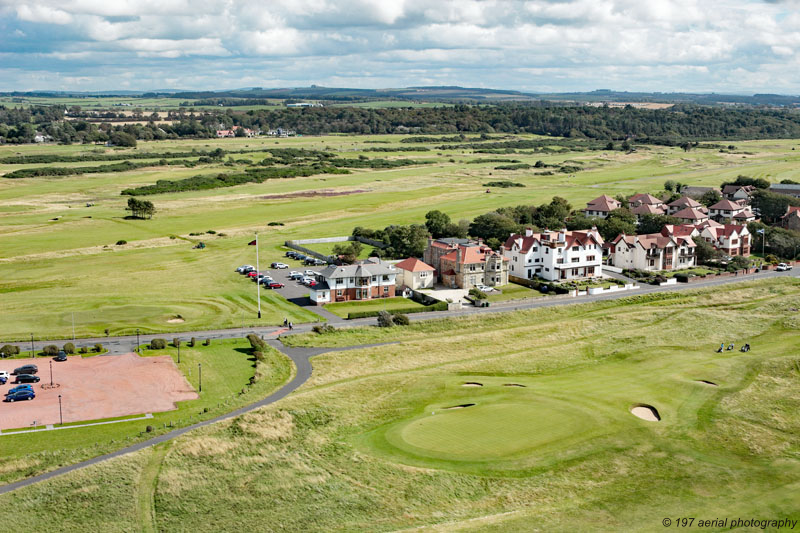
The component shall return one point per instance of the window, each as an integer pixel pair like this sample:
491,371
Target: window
547,251
576,259
589,270
535,249
339,292
421,274
590,258
575,248
385,289
515,258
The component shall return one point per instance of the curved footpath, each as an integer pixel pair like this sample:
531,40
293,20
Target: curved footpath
301,356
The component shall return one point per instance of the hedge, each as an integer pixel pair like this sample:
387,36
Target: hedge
439,306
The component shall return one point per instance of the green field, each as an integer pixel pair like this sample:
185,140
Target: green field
227,367
53,248
369,443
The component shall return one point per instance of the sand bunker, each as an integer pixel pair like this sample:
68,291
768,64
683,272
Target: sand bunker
462,406
176,320
512,385
707,382
646,412
472,384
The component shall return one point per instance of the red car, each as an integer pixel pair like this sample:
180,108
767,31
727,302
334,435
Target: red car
275,285
252,274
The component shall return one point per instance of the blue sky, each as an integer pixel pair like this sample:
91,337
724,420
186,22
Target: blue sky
734,46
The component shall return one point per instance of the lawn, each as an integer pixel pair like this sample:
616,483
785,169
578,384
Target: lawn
227,367
696,271
512,291
549,443
327,248
399,303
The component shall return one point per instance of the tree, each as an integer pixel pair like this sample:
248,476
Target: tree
670,185
438,223
406,241
705,252
579,221
711,197
739,263
654,223
618,221
758,183
120,138
69,348
348,252
493,226
141,208
771,206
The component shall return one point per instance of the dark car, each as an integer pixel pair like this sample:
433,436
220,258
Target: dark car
20,395
26,378
3,380
19,388
62,356
26,369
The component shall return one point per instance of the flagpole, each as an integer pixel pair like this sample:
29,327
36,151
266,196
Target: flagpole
258,281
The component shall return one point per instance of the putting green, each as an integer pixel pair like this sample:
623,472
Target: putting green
493,429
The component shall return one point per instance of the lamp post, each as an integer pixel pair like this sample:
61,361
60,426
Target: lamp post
60,414
179,351
33,352
258,281
73,325
51,372
200,377
137,340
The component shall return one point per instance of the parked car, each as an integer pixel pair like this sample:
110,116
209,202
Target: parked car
295,275
484,288
300,257
280,265
19,388
3,380
309,273
27,378
290,254
783,267
247,269
266,280
61,356
254,274
319,262
20,395
242,268
4,374
275,285
25,369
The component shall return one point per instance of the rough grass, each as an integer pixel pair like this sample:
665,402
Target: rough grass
324,459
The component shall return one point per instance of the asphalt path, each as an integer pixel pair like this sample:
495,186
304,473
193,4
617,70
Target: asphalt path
301,357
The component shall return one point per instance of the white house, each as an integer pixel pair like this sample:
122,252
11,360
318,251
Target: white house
555,255
414,274
363,281
730,239
601,206
652,252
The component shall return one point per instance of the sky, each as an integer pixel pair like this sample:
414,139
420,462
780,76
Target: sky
730,46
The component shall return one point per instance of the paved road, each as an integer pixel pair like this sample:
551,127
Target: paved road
301,356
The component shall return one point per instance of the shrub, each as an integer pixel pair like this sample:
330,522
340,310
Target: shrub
259,355
275,224
83,349
771,259
50,349
149,429
158,344
122,242
106,331
69,348
176,342
211,232
256,342
321,329
400,319
477,294
385,319
98,347
8,350
191,343
207,342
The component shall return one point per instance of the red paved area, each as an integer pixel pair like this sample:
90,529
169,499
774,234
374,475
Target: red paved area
96,387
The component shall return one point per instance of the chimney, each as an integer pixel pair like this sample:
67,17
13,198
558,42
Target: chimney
528,232
458,255
562,235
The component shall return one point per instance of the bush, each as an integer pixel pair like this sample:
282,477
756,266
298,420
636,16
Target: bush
158,344
83,349
207,342
191,343
98,347
275,224
477,294
400,320
149,429
259,355
69,348
384,319
122,242
256,342
176,342
9,350
50,349
323,328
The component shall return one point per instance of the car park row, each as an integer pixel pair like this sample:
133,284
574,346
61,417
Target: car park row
305,277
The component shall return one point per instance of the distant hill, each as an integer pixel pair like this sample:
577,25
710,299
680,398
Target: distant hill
450,94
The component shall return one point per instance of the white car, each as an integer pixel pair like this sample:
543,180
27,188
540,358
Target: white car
309,273
4,374
241,269
782,267
281,265
484,288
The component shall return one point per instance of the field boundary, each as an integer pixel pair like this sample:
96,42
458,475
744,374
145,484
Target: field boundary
51,427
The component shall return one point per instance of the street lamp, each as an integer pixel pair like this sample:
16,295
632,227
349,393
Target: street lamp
51,372
33,352
179,351
137,340
258,281
200,376
60,414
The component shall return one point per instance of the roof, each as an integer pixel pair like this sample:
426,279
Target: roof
785,186
571,238
412,264
729,205
732,189
678,230
471,254
645,199
685,201
690,213
603,203
323,286
746,213
726,230
355,271
652,240
792,210
647,209
449,242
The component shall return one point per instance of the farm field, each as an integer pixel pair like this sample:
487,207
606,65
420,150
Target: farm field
511,422
53,248
227,366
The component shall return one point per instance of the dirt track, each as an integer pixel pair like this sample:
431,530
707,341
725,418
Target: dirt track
97,387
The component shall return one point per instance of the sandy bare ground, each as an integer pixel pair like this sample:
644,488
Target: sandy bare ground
645,413
97,387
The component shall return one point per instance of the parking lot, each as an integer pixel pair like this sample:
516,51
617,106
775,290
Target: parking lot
96,387
294,291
